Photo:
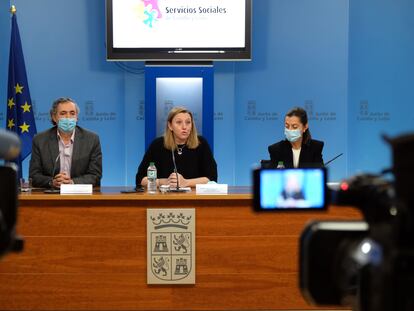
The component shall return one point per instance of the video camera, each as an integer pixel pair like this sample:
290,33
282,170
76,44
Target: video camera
9,149
367,265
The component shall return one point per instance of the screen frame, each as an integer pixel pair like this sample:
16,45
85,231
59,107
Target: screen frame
257,194
178,53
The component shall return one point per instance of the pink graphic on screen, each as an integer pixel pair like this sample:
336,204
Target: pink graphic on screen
154,6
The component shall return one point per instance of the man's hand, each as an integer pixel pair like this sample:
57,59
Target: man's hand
61,178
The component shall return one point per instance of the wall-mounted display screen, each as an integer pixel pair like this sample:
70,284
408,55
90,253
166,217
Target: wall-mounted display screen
178,29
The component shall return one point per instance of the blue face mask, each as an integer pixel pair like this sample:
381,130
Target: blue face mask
293,135
66,125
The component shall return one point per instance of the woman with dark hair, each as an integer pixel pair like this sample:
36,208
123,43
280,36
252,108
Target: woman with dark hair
192,154
298,149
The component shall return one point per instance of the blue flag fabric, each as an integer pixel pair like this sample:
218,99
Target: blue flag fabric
20,117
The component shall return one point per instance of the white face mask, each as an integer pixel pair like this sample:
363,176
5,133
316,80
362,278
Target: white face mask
293,135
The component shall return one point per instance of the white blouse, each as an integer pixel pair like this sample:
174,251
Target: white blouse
296,154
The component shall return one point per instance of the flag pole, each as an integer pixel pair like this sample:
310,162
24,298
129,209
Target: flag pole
13,9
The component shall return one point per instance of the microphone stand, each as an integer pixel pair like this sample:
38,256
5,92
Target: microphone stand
331,160
52,190
177,189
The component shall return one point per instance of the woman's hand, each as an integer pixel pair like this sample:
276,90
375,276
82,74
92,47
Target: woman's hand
172,180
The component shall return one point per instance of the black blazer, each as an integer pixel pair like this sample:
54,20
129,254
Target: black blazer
310,154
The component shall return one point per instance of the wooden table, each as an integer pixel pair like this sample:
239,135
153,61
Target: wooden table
88,252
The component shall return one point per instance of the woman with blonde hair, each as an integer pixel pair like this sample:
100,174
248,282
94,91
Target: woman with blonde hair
193,157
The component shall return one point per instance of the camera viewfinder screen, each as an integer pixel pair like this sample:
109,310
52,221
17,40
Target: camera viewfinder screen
292,189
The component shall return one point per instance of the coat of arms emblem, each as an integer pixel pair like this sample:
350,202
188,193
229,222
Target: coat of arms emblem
171,246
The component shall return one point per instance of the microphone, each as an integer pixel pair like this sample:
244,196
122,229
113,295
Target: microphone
177,189
53,175
9,145
175,168
333,159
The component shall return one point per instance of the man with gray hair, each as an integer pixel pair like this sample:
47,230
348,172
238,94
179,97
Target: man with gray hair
65,153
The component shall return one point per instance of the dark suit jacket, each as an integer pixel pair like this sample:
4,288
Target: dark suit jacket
86,165
310,154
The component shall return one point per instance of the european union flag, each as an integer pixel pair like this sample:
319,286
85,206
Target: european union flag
20,117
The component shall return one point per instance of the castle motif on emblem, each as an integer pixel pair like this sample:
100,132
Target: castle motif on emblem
161,244
181,267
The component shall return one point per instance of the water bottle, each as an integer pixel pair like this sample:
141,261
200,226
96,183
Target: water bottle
152,178
280,165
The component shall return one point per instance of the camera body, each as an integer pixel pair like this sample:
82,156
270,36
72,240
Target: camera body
367,265
9,150
9,241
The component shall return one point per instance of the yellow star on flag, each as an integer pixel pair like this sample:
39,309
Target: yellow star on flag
18,88
11,103
24,127
26,107
10,124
